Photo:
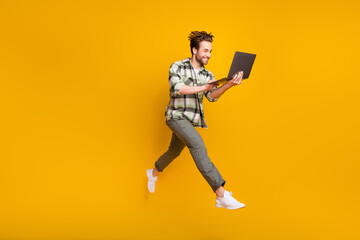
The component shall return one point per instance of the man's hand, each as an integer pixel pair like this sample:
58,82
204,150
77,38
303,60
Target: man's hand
236,79
185,89
233,82
209,86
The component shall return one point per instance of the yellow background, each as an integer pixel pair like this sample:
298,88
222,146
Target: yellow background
83,93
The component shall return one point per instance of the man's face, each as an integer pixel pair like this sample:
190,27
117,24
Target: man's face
204,53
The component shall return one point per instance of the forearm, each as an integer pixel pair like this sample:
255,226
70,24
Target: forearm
219,91
185,89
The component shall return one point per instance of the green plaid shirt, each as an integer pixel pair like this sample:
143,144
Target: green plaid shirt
189,106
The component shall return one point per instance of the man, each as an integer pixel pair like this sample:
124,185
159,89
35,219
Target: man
189,82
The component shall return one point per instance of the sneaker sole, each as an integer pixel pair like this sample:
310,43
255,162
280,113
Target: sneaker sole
222,206
149,188
147,174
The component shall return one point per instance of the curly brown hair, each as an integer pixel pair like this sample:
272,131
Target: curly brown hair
196,37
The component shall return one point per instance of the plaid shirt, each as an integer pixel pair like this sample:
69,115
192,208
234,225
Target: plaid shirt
189,106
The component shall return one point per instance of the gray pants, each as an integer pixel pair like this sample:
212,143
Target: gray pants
184,134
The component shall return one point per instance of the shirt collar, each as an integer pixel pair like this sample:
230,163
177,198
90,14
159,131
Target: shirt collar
187,60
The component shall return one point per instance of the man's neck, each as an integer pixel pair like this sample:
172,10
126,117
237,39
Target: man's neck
195,63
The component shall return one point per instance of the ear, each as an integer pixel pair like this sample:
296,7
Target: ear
194,50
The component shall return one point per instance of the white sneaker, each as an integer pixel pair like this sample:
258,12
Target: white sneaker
151,180
228,201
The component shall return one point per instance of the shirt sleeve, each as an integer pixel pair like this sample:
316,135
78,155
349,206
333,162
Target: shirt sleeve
207,93
175,80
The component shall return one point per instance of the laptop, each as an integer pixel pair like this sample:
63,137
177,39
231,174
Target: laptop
241,62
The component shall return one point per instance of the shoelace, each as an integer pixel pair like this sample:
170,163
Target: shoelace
230,193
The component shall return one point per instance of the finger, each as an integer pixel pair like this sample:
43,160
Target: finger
240,75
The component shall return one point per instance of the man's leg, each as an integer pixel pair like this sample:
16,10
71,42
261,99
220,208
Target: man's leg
188,134
175,148
185,132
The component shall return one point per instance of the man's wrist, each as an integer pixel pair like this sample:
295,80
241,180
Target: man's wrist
227,86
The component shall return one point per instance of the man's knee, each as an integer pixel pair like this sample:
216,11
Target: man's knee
196,144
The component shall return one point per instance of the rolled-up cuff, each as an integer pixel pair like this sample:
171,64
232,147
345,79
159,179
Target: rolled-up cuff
177,88
157,168
207,95
217,186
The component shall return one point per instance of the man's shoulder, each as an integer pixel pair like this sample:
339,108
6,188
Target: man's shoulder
180,63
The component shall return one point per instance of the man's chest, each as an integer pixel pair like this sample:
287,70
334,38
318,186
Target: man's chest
189,77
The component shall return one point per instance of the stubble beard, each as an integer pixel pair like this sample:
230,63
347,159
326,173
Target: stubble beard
201,60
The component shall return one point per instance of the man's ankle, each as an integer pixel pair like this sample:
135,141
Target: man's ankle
155,172
220,192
